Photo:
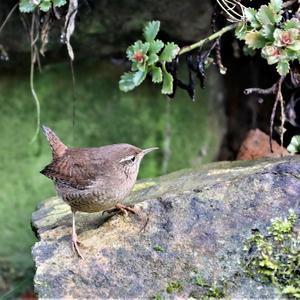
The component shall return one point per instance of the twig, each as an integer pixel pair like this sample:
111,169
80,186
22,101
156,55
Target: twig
220,65
36,99
208,39
33,92
74,99
167,140
8,16
282,117
230,11
70,25
274,89
288,3
278,98
222,69
268,91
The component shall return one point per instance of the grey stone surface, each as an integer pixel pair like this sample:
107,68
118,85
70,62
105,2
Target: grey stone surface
193,221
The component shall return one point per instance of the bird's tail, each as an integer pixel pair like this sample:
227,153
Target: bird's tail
57,146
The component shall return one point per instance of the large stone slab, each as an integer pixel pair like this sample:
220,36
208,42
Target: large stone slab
194,222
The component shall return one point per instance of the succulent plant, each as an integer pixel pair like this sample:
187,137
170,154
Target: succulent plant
149,57
265,29
27,6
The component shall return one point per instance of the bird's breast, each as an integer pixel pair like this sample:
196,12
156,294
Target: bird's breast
95,198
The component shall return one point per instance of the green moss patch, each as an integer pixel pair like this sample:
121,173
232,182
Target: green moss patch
275,257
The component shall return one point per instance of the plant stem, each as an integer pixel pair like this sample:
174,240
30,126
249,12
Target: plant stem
8,16
208,39
36,100
32,64
267,91
278,98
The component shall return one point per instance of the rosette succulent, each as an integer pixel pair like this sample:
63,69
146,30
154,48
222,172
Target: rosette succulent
149,57
27,6
266,29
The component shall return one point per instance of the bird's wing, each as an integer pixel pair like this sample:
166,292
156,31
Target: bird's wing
78,171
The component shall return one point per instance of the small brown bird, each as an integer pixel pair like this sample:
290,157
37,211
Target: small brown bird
93,179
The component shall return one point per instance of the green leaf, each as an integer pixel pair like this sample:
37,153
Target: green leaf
265,15
250,14
153,58
145,47
241,31
277,36
248,51
156,46
130,53
151,30
139,77
294,145
271,53
167,87
126,82
255,40
276,5
45,5
293,33
291,23
26,6
59,3
142,66
135,66
156,74
169,53
283,67
295,46
267,32
285,38
138,46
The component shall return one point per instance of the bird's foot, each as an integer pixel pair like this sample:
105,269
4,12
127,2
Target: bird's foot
75,245
123,209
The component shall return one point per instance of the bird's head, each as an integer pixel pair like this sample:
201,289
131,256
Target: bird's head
131,157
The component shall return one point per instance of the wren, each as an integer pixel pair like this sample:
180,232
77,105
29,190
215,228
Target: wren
93,179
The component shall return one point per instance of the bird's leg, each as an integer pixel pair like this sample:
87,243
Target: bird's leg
75,241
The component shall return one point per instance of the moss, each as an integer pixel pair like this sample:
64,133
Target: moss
143,185
158,297
174,287
158,248
199,280
275,257
207,291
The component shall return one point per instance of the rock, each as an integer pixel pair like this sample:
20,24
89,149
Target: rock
256,145
195,221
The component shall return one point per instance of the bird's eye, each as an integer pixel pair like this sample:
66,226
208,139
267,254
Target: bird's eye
128,159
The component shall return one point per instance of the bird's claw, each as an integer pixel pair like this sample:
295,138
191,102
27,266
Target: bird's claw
123,209
75,246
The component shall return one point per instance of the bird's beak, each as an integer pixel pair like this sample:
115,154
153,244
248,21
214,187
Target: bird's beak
145,151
